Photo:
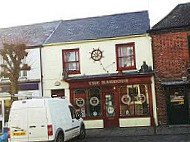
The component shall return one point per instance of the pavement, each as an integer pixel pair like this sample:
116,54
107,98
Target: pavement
139,131
151,138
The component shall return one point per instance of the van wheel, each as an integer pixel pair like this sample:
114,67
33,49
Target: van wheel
82,132
60,138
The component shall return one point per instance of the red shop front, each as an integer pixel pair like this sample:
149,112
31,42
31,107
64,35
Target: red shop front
113,99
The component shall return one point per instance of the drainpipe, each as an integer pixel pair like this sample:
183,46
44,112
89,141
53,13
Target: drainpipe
41,72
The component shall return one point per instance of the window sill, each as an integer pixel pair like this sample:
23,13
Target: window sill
134,116
95,118
73,72
127,68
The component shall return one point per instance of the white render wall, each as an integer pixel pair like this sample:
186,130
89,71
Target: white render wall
33,60
52,58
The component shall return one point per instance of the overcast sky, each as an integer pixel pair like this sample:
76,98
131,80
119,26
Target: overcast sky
24,12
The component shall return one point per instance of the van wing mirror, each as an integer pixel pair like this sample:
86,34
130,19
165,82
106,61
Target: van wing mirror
78,115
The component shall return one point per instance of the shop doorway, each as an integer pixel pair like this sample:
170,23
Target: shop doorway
110,107
178,112
59,93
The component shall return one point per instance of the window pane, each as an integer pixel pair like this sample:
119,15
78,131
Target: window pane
72,66
134,100
110,105
126,62
94,103
24,73
125,51
142,104
126,56
70,56
80,100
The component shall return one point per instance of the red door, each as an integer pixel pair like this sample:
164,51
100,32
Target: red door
110,107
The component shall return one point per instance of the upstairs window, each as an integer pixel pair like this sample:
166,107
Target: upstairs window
125,54
71,62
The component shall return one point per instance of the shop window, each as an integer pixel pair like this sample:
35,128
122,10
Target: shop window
134,100
80,101
94,105
88,101
125,54
71,62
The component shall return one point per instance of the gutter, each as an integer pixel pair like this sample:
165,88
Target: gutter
41,72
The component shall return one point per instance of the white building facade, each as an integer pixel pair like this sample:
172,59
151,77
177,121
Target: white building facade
103,65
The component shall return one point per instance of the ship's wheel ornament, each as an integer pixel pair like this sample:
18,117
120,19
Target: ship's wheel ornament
96,54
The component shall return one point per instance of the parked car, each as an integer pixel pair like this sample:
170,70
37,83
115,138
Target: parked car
45,119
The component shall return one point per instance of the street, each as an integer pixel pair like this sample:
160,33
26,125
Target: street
155,138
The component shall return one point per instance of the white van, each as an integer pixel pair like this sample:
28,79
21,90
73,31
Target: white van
45,119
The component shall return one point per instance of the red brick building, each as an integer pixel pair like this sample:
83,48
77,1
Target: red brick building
171,50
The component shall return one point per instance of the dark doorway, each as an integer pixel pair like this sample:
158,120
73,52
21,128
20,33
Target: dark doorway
59,93
178,112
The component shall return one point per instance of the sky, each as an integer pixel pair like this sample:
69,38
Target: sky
26,12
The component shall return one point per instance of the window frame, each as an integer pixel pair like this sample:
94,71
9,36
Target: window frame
148,99
87,101
131,44
64,62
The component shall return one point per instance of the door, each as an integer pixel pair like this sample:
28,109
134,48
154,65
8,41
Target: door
178,105
110,107
75,130
37,124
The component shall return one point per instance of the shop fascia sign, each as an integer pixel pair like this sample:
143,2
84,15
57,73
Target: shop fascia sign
107,82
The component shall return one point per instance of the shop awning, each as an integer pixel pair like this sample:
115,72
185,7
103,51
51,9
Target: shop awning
111,75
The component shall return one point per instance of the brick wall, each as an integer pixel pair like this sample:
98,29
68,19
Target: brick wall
171,58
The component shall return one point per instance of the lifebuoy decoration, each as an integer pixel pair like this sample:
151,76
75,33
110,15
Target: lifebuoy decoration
94,101
80,102
126,99
110,110
141,98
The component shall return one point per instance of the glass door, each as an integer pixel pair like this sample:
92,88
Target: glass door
111,109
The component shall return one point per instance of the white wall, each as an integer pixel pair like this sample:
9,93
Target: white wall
52,58
33,60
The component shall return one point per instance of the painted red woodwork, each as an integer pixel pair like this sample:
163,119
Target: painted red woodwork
132,80
110,122
114,88
152,121
64,62
132,44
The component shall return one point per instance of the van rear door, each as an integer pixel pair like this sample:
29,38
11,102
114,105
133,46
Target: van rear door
18,125
37,124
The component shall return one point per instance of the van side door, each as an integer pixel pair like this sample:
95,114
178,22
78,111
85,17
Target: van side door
75,122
